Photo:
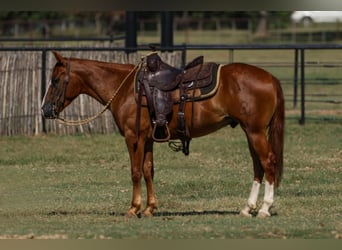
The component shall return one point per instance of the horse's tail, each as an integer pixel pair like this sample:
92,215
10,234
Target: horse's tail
276,133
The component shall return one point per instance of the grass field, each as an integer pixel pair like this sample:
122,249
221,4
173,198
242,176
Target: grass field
79,187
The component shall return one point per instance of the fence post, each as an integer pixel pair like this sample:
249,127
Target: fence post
231,55
167,30
295,79
183,55
302,82
131,31
43,84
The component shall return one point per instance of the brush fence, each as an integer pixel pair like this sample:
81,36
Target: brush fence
21,93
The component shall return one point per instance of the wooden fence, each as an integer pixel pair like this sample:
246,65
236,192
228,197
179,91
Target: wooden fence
21,87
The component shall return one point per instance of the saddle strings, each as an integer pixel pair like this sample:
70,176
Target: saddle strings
89,119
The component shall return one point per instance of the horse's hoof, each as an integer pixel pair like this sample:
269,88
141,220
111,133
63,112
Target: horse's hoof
263,214
245,213
131,214
147,214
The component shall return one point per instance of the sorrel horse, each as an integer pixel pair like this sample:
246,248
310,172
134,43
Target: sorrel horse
247,95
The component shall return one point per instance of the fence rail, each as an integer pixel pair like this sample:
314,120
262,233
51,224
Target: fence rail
24,75
24,72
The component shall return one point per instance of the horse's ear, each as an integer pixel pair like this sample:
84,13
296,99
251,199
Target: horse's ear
58,57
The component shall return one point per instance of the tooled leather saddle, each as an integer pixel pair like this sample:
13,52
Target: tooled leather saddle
162,85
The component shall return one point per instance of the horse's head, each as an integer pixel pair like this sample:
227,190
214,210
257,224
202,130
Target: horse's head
61,90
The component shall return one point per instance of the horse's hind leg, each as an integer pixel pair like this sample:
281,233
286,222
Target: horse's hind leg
258,176
264,160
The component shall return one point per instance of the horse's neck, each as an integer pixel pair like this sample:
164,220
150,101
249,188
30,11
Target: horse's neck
102,80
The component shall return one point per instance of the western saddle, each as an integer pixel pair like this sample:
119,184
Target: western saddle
158,82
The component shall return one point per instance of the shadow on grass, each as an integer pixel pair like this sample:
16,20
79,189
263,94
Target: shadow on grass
194,213
211,212
156,214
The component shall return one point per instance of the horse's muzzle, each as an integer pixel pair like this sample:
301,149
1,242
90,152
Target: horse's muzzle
49,111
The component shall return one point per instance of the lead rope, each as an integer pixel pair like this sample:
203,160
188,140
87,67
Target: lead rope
89,119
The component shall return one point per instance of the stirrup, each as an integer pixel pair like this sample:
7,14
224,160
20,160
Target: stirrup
166,138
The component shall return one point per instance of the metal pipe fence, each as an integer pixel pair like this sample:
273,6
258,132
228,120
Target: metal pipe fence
298,64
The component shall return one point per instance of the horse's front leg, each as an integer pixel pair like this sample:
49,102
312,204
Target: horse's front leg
148,171
136,154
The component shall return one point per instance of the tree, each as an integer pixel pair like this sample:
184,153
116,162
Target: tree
262,28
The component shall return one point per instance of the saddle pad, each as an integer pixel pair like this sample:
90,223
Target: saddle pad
194,94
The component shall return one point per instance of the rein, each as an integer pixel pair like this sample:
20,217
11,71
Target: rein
89,119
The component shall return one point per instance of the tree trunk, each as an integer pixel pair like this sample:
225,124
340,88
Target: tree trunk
262,29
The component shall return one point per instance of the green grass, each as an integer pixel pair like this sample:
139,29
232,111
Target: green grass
79,187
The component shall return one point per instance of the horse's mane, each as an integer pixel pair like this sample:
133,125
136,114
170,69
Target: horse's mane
111,66
102,63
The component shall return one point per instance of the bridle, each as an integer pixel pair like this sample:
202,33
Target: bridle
89,119
61,97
